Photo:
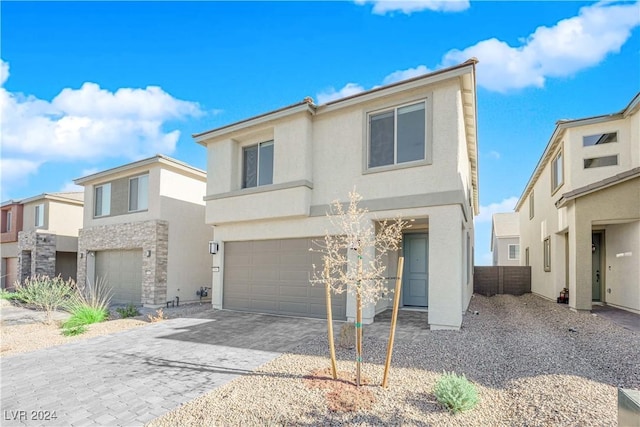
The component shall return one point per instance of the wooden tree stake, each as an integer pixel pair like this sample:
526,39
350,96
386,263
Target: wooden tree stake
332,348
394,317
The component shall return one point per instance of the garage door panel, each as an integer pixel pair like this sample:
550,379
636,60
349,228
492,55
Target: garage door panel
275,280
122,270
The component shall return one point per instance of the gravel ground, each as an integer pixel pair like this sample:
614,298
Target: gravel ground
27,332
534,362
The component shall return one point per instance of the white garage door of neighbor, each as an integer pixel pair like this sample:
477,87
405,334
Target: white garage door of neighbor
123,271
272,276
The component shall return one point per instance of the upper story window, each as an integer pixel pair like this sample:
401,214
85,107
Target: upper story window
514,251
397,135
257,165
557,172
39,215
6,221
531,203
597,162
139,193
102,200
598,139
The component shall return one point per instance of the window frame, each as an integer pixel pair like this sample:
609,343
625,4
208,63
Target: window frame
137,177
526,257
8,217
243,182
428,120
555,182
39,215
585,167
102,198
546,253
531,205
517,251
602,134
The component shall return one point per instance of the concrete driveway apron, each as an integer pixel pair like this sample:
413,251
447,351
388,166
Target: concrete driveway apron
132,377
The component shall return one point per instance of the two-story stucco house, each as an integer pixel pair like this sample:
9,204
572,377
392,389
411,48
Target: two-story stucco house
580,212
409,149
40,236
144,232
505,239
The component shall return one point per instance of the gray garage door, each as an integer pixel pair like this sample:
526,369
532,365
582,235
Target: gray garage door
272,276
123,270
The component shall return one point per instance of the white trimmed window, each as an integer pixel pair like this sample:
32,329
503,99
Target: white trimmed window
7,221
102,200
557,172
39,215
514,252
257,165
139,193
397,135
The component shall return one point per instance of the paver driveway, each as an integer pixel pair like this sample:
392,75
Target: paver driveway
131,377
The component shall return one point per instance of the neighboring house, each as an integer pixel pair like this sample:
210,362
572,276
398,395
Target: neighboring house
580,212
409,149
144,232
505,239
40,236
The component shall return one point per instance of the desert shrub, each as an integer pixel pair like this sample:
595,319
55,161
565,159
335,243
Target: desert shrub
128,311
89,304
8,295
46,293
455,392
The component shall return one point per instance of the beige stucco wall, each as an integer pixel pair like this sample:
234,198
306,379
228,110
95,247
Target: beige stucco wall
65,219
501,251
29,215
189,261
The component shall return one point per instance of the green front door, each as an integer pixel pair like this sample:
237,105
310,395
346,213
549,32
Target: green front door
415,279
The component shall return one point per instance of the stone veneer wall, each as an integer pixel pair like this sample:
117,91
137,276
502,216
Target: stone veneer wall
149,235
37,254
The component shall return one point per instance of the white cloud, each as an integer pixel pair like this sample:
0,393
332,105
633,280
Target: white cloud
381,7
331,94
4,72
570,46
14,170
409,73
494,155
88,123
486,212
69,186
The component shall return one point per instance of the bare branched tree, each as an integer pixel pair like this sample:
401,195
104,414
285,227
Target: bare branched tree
354,258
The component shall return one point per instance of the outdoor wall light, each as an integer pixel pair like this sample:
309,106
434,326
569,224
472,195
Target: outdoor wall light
148,253
81,255
213,247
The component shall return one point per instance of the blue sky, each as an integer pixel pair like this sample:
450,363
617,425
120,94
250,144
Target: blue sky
92,85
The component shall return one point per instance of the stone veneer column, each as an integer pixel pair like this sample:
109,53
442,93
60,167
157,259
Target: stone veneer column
150,236
37,252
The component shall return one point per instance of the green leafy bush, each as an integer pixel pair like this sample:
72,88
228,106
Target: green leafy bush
46,293
128,311
456,393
